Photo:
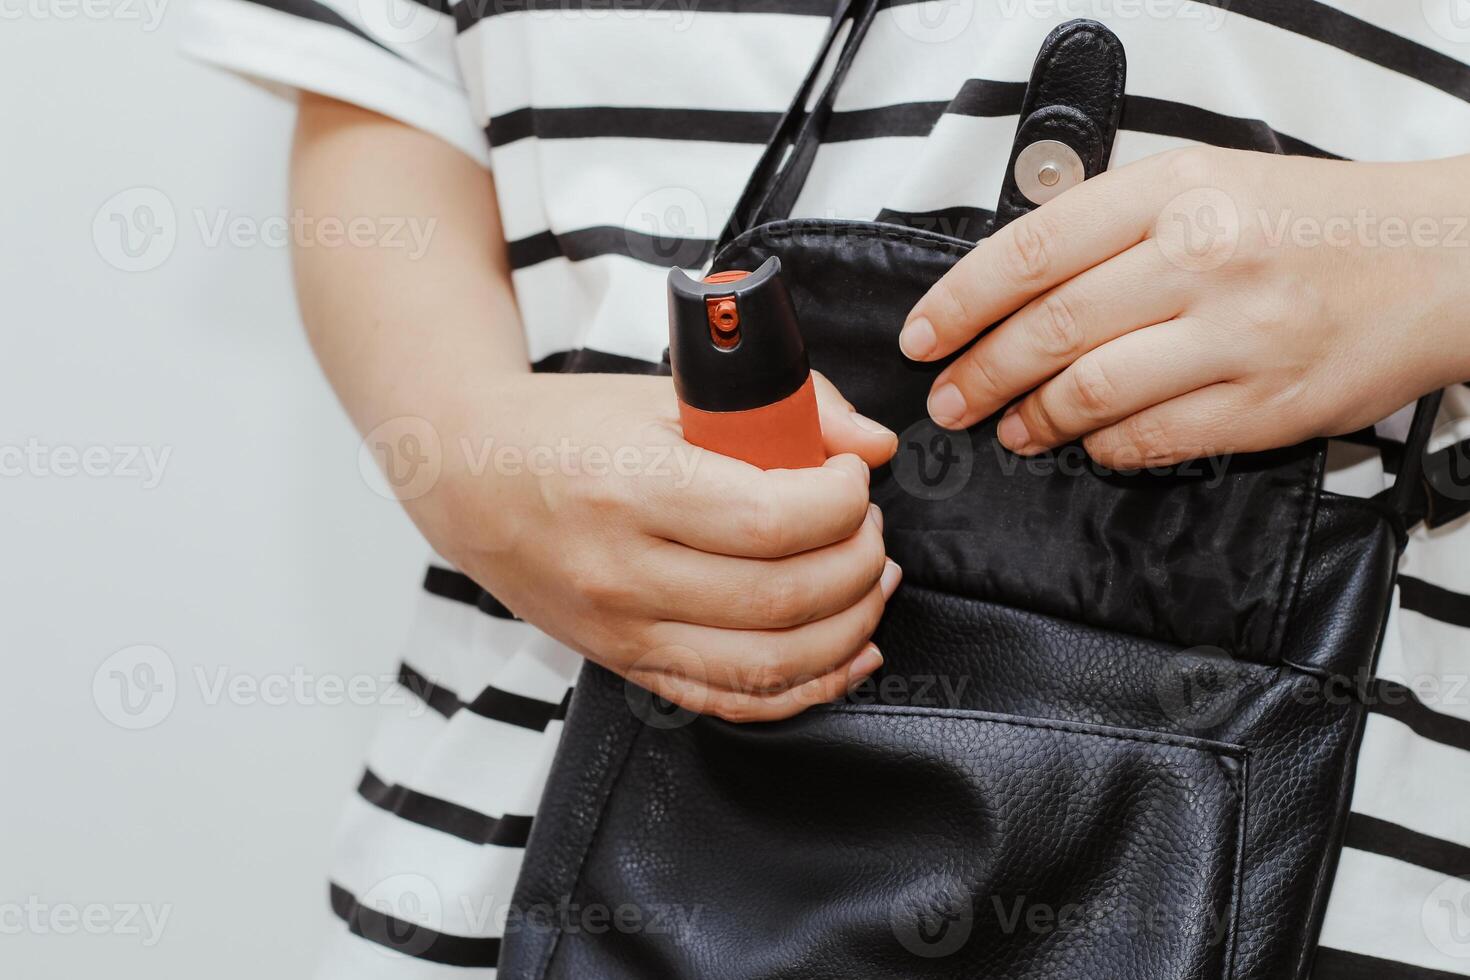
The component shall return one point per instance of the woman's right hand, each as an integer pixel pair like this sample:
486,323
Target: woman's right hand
726,589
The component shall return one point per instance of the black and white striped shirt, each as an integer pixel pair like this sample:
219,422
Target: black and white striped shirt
622,131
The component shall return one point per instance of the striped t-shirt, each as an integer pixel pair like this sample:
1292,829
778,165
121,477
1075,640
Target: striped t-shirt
621,132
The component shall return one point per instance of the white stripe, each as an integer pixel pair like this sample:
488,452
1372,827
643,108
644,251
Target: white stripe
610,303
1432,659
281,48
1409,780
1396,911
661,187
349,957
624,57
389,863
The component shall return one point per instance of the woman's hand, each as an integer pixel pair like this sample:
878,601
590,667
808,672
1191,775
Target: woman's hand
721,587
1204,302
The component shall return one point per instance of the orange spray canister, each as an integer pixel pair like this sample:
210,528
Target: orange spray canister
740,368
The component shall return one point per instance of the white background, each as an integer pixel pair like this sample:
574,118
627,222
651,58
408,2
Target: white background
260,554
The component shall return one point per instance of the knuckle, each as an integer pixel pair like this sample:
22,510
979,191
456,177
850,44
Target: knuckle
1190,166
766,674
1144,438
596,584
946,305
1092,389
978,378
1056,330
1027,259
782,598
765,525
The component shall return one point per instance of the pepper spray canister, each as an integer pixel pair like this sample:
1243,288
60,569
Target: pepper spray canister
740,368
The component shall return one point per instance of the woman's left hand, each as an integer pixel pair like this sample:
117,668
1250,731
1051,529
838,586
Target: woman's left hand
1204,302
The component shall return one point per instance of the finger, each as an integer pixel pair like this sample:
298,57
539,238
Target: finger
844,430
1131,290
732,508
1119,379
743,707
1217,420
1075,231
764,593
768,661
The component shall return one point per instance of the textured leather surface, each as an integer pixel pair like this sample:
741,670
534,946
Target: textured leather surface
1075,96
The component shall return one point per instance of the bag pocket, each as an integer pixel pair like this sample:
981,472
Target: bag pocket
874,841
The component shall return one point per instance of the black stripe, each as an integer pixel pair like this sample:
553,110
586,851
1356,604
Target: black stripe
510,830
470,12
440,699
589,122
1337,964
970,224
449,584
517,709
492,703
1162,117
322,14
1359,38
1376,836
1394,700
411,939
1433,601
585,360
586,243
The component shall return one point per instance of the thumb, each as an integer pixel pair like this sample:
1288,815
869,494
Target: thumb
845,431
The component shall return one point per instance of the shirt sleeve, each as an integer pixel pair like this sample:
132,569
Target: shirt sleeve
395,57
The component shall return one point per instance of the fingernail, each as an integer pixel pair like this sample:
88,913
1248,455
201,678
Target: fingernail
917,339
946,405
868,425
865,663
892,575
875,514
1012,431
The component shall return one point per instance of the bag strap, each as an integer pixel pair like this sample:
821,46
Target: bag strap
1432,487
783,167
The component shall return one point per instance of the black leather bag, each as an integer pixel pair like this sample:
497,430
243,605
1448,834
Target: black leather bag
1115,732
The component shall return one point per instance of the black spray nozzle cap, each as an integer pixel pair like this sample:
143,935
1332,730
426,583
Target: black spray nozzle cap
734,341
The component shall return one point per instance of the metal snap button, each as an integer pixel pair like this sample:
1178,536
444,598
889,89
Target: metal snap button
1046,168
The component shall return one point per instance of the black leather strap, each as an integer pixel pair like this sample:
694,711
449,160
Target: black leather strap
1430,487
1075,97
782,169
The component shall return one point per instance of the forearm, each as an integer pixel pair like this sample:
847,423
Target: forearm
398,323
